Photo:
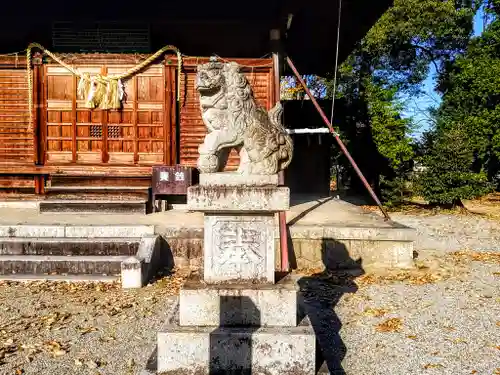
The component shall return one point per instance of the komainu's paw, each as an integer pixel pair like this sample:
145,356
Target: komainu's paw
205,149
208,163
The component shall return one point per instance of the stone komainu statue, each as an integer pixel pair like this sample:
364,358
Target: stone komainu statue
235,120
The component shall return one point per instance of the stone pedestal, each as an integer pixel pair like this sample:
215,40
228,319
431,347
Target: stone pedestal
236,318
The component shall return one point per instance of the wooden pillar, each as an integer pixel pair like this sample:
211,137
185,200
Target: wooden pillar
37,115
277,50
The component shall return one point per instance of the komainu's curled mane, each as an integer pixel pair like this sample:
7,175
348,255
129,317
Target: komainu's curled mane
235,120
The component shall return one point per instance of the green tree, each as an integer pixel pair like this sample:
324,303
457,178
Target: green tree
471,99
468,123
448,178
389,63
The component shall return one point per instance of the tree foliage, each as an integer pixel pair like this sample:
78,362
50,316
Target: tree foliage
468,122
389,63
448,178
471,98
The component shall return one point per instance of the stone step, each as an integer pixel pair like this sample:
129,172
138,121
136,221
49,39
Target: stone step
57,264
84,188
60,278
137,206
68,246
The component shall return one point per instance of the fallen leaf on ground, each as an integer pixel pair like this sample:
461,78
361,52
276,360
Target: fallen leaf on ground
457,340
59,352
431,365
417,277
478,256
375,312
413,337
85,330
92,364
390,325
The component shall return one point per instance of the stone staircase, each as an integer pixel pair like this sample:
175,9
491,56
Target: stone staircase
76,253
95,199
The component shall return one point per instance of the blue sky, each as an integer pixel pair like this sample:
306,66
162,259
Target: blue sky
416,107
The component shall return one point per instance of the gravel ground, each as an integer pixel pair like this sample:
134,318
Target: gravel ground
450,325
62,329
452,232
443,318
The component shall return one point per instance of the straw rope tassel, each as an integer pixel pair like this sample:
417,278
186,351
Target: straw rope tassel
30,88
105,92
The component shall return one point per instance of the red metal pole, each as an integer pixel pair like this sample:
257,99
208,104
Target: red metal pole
285,265
337,138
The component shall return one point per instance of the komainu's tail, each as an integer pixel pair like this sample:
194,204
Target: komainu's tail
285,151
275,114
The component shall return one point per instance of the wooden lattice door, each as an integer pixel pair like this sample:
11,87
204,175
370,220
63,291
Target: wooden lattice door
137,134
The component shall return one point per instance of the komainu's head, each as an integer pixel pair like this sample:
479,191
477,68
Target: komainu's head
216,79
210,78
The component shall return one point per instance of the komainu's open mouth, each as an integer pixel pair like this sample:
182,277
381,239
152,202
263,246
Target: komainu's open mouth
208,91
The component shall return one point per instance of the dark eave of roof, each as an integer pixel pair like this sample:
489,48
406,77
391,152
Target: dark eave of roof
225,27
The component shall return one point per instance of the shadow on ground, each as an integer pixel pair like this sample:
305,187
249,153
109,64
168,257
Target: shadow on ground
319,295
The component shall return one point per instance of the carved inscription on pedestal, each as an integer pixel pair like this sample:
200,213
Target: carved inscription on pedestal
239,248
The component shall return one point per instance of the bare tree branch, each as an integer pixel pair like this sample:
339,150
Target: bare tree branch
429,53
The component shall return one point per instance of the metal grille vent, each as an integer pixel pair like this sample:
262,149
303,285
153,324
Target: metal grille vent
114,131
108,37
96,131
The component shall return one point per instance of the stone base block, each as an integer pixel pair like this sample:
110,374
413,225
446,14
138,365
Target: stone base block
216,350
239,304
139,269
371,255
238,198
237,179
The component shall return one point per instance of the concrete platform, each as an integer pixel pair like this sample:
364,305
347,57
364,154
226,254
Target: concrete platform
245,350
321,230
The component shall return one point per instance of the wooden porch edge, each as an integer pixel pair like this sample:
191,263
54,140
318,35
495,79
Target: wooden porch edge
83,170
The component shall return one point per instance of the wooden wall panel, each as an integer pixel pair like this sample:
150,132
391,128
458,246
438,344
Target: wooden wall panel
16,139
259,73
144,132
133,135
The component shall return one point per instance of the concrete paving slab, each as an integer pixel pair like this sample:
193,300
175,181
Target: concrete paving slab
317,227
304,211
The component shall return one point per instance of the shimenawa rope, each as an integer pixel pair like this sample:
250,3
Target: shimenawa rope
105,92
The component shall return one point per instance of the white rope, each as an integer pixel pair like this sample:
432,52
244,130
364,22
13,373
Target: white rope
336,61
